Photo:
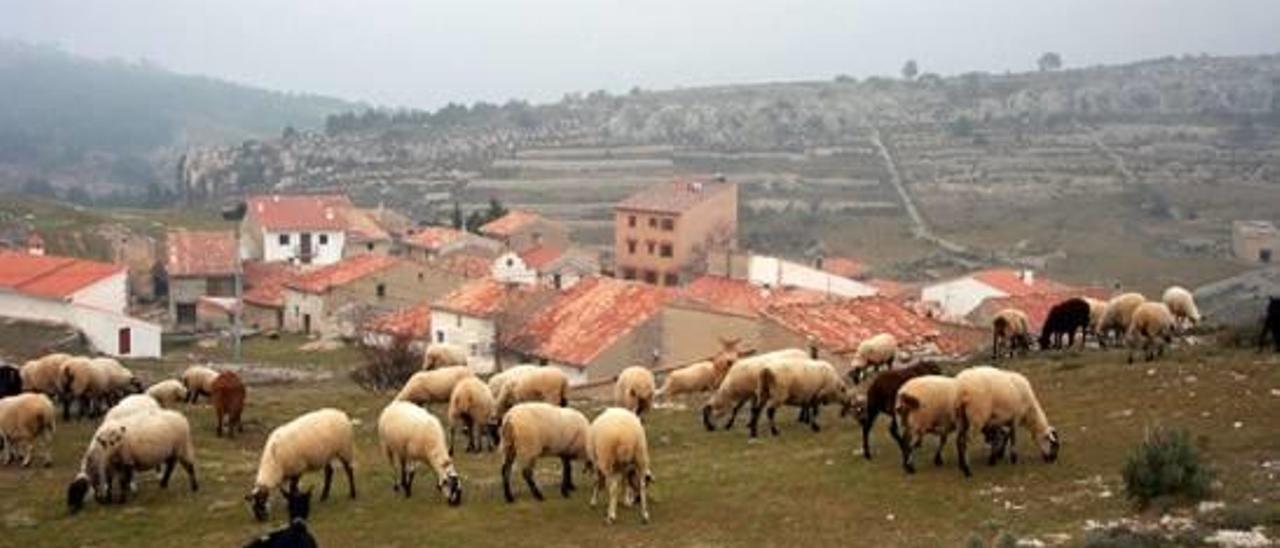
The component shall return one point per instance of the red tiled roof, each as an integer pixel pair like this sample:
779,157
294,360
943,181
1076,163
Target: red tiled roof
278,212
839,326
264,282
585,321
674,196
480,298
889,288
434,237
540,256
51,276
467,265
842,266
194,253
413,322
1011,282
341,273
510,223
361,225
743,298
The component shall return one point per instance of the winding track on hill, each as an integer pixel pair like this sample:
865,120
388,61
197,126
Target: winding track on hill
919,228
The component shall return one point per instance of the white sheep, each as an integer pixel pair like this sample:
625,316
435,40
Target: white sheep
1010,330
139,442
131,405
433,386
199,382
1183,306
996,402
690,379
544,384
617,449
1151,326
804,383
310,442
409,435
925,405
85,381
1097,307
24,420
44,374
875,353
168,392
443,355
472,407
501,378
120,380
740,384
535,429
1115,318
634,389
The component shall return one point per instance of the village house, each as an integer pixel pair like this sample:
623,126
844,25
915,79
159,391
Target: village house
766,271
594,330
91,296
198,264
1255,242
333,301
263,295
520,230
411,324
477,314
310,229
543,265
955,299
433,242
664,234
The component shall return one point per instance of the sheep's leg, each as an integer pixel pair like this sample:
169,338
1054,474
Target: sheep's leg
1013,444
614,481
866,435
753,423
962,445
773,426
218,430
942,444
126,479
527,472
734,416
506,480
351,477
595,488
189,467
566,481
408,481
473,444
813,417
638,484
169,463
328,481
453,434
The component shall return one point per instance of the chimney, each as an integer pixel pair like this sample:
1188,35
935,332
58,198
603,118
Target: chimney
695,186
275,198
1029,277
328,213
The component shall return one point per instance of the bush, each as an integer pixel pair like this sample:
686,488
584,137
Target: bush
387,368
1166,464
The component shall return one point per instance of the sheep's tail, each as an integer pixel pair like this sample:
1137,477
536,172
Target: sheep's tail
768,384
506,447
68,378
564,393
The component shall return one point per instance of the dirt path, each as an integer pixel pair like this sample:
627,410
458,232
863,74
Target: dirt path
919,228
1126,176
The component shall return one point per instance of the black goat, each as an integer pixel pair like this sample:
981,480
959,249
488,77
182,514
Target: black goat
294,535
10,380
1271,324
1065,319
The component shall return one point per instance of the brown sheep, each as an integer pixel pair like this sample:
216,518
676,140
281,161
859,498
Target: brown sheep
880,398
228,396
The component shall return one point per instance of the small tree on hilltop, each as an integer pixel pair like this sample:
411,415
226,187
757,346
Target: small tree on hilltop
1049,61
910,70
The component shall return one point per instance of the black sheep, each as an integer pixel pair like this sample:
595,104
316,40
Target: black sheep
294,535
1271,324
880,399
1065,318
10,380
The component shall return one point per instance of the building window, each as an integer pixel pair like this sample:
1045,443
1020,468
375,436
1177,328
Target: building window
670,279
631,221
382,290
324,239
284,239
651,277
628,273
653,222
475,349
651,246
186,314
665,250
368,246
631,247
1264,255
125,341
439,335
510,262
420,276
458,320
668,224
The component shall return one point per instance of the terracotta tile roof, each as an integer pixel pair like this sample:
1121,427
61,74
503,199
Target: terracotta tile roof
486,297
538,257
740,297
509,224
434,237
891,288
842,266
264,282
51,276
413,322
341,273
583,322
277,212
1011,282
362,226
216,305
839,326
199,253
674,196
467,265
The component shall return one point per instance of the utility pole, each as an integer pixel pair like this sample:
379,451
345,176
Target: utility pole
235,212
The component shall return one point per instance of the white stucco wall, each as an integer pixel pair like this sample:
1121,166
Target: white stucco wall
473,334
329,253
101,327
510,268
957,298
775,272
576,376
297,305
107,294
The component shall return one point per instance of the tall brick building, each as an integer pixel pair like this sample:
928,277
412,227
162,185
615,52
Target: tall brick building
663,234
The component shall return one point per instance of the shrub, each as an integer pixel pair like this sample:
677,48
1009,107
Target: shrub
387,367
1166,464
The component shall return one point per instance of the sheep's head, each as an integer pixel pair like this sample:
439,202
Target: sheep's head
259,503
451,486
1050,444
77,492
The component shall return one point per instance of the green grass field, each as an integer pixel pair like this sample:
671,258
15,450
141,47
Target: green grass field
712,489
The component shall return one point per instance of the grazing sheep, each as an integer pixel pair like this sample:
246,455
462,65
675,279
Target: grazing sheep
199,382
996,402
85,381
544,384
634,390
472,407
1010,330
227,395
10,380
807,384
294,535
44,375
1065,319
617,449
880,397
24,420
433,386
1097,307
875,353
168,392
443,355
1271,324
120,380
1152,326
409,435
925,405
1115,318
310,442
537,429
138,442
497,380
740,384
1183,306
130,406
701,376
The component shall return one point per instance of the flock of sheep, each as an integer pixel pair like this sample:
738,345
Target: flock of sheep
523,411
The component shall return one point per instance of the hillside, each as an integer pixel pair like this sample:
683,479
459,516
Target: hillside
117,126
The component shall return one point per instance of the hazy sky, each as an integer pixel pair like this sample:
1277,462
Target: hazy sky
425,53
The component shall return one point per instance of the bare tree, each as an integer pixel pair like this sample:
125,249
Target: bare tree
910,70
